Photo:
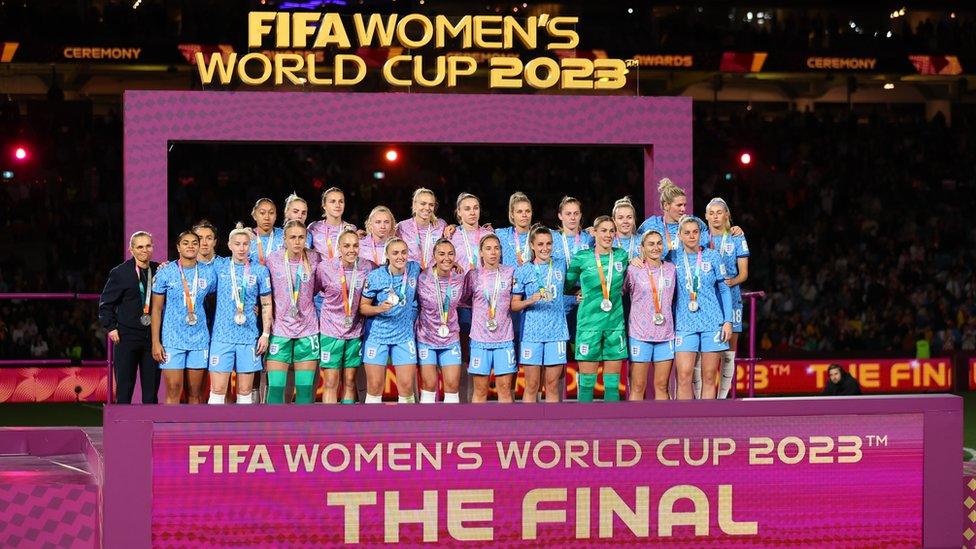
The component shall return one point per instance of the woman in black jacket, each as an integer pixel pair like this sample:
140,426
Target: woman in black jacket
840,382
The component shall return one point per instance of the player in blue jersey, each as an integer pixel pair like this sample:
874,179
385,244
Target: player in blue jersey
538,292
566,243
515,239
180,338
703,311
235,343
735,256
390,297
624,216
268,238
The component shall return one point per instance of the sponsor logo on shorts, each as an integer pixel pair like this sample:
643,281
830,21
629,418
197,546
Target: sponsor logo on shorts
215,360
526,353
423,353
618,266
273,348
635,350
371,352
706,266
456,350
678,340
476,363
326,356
584,349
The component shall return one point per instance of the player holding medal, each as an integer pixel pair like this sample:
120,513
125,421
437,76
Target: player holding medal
515,239
538,291
735,256
180,337
235,343
439,291
268,238
390,297
673,204
703,313
342,279
379,228
423,229
295,334
651,322
325,232
492,334
600,319
623,217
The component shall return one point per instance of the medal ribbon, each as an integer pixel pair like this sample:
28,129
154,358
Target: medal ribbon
660,283
566,249
605,282
262,257
403,285
238,291
548,276
189,297
142,289
444,303
349,290
294,281
520,252
472,253
426,244
492,298
693,287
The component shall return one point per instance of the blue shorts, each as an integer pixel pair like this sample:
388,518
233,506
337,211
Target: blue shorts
403,354
502,360
439,356
700,342
737,317
179,359
538,353
651,351
225,357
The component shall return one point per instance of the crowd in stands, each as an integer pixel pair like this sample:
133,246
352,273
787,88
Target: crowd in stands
858,225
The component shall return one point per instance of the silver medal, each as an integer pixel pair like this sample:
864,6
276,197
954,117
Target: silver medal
145,320
293,311
393,299
240,319
443,331
693,306
347,322
191,319
606,305
659,319
492,325
552,292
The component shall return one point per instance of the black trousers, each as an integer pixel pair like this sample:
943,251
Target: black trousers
132,356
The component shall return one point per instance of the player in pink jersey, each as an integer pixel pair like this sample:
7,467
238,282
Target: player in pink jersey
341,279
492,334
295,332
469,232
296,208
651,320
379,228
325,232
439,291
422,229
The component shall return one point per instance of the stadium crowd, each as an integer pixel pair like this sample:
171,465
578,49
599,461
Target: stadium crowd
857,224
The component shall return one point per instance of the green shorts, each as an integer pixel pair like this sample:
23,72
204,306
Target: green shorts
290,350
340,353
601,345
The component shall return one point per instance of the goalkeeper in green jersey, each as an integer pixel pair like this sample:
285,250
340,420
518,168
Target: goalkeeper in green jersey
600,333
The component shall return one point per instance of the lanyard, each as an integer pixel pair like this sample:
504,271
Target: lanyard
443,302
568,257
492,297
654,287
426,244
189,297
144,289
605,282
520,252
630,245
721,246
376,258
238,291
403,283
472,253
548,275
294,281
695,286
349,290
333,248
262,257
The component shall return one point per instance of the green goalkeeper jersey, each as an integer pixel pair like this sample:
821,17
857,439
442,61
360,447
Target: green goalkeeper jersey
583,270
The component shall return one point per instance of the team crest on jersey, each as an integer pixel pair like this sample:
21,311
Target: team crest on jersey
526,353
422,353
215,360
326,356
202,284
252,280
371,352
304,276
584,349
475,362
557,275
618,266
273,349
729,248
678,340
707,266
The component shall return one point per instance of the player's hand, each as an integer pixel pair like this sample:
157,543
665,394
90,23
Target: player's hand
449,231
158,353
726,331
487,226
636,262
457,268
736,231
536,297
590,231
262,345
361,233
728,282
114,336
385,306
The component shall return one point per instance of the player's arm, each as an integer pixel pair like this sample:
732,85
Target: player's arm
156,328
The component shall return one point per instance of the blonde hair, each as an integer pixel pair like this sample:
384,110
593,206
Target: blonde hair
137,234
487,237
416,195
603,219
685,219
669,192
517,198
293,197
461,198
386,248
568,200
623,203
240,229
728,217
376,211
294,223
